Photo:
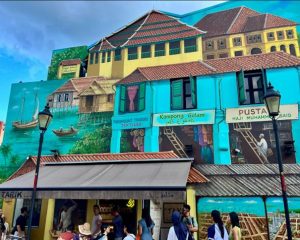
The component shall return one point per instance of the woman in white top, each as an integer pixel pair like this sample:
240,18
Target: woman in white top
178,231
217,231
128,230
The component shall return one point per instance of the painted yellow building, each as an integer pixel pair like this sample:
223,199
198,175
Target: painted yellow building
242,31
69,68
152,40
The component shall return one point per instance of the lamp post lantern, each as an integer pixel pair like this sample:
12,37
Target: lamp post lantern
44,119
272,102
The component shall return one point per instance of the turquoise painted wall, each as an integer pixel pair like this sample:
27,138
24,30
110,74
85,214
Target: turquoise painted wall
214,92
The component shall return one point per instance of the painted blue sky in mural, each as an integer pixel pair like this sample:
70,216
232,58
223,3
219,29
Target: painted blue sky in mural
33,29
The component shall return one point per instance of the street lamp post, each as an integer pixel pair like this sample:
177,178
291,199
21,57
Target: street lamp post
44,118
272,102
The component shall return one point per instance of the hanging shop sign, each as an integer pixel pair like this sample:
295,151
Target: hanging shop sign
142,121
69,69
184,118
260,114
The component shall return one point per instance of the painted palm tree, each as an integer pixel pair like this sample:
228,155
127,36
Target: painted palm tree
5,151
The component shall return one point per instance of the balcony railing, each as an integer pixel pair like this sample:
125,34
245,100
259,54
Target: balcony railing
174,51
159,53
188,49
132,56
117,57
146,54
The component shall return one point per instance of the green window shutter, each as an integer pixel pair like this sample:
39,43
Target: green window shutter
177,94
264,80
193,91
241,83
122,106
141,103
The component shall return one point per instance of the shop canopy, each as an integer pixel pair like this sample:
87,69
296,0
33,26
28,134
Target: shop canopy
159,180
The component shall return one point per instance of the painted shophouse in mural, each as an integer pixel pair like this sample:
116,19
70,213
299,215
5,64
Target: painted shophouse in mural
140,105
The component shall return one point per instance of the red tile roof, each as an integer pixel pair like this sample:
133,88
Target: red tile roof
239,20
70,62
150,28
29,165
210,67
77,84
266,21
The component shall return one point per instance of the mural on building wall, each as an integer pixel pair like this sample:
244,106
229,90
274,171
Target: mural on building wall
252,217
133,140
254,142
277,218
250,211
188,141
69,131
65,54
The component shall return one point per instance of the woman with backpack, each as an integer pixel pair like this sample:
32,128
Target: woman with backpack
146,225
217,231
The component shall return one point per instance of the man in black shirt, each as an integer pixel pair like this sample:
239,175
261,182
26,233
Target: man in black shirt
21,223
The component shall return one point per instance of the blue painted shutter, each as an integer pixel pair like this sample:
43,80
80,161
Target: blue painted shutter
193,91
141,103
122,105
177,94
241,83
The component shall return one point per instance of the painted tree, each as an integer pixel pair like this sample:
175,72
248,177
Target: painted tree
5,150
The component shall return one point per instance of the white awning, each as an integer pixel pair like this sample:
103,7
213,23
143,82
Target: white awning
160,180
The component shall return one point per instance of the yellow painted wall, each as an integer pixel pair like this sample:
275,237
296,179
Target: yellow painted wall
38,233
8,209
93,69
191,200
123,67
106,67
265,45
49,219
90,211
131,65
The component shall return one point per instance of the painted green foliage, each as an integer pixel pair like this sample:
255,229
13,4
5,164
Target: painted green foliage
97,141
65,54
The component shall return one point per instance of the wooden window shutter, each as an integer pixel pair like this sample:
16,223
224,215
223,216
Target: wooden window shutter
193,91
177,94
122,106
141,102
242,91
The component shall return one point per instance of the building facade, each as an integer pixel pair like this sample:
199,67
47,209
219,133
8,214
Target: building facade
242,31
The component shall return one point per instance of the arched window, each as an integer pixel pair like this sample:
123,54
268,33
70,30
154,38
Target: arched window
282,48
256,51
273,49
292,49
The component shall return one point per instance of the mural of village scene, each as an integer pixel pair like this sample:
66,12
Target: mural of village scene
133,140
254,142
188,141
82,108
250,211
276,218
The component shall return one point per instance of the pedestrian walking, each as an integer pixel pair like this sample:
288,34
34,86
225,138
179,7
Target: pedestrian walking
189,220
179,230
19,229
6,228
118,224
96,222
145,225
217,231
235,232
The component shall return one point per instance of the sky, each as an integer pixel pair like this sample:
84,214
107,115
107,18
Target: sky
31,30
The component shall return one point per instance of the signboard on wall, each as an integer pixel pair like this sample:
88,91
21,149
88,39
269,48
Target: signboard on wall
260,114
69,69
184,118
131,122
